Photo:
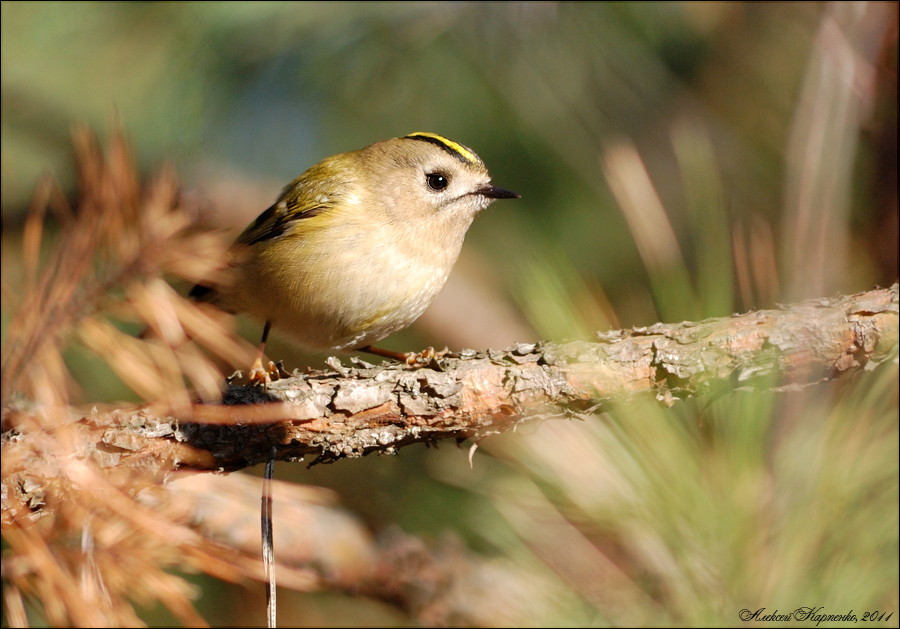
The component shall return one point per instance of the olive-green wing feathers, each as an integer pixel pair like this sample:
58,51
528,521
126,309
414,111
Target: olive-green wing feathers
295,204
277,220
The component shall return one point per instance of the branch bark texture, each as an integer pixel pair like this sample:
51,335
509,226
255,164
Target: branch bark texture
362,408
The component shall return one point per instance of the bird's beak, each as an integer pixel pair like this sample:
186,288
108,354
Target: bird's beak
493,192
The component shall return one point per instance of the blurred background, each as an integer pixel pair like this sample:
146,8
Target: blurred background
675,160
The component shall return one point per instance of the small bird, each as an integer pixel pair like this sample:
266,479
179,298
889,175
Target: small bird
358,246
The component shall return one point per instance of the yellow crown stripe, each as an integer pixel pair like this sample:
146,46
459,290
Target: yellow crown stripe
448,145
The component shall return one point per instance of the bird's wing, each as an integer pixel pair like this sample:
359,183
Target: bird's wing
275,221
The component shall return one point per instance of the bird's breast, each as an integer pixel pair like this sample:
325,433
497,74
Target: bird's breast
352,292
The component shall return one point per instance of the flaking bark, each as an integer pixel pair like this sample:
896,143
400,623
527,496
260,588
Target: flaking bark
362,408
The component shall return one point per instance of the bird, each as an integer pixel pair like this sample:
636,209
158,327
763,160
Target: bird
358,246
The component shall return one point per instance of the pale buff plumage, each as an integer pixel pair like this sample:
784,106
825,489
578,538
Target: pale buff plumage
358,246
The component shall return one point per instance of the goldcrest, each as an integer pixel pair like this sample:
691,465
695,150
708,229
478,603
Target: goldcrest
358,246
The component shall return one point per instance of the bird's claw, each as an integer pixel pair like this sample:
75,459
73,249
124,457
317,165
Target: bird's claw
425,357
260,377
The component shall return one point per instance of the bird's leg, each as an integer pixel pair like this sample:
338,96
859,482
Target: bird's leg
259,376
412,359
384,353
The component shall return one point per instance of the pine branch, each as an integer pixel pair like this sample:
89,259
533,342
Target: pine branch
361,409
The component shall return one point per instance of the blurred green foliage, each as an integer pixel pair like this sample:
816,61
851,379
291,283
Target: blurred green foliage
774,500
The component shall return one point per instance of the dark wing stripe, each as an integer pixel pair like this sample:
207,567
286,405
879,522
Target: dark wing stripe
274,222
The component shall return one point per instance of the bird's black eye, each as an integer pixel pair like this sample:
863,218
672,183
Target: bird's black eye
437,181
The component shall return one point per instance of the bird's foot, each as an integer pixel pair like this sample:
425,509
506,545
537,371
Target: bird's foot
413,359
425,357
260,377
